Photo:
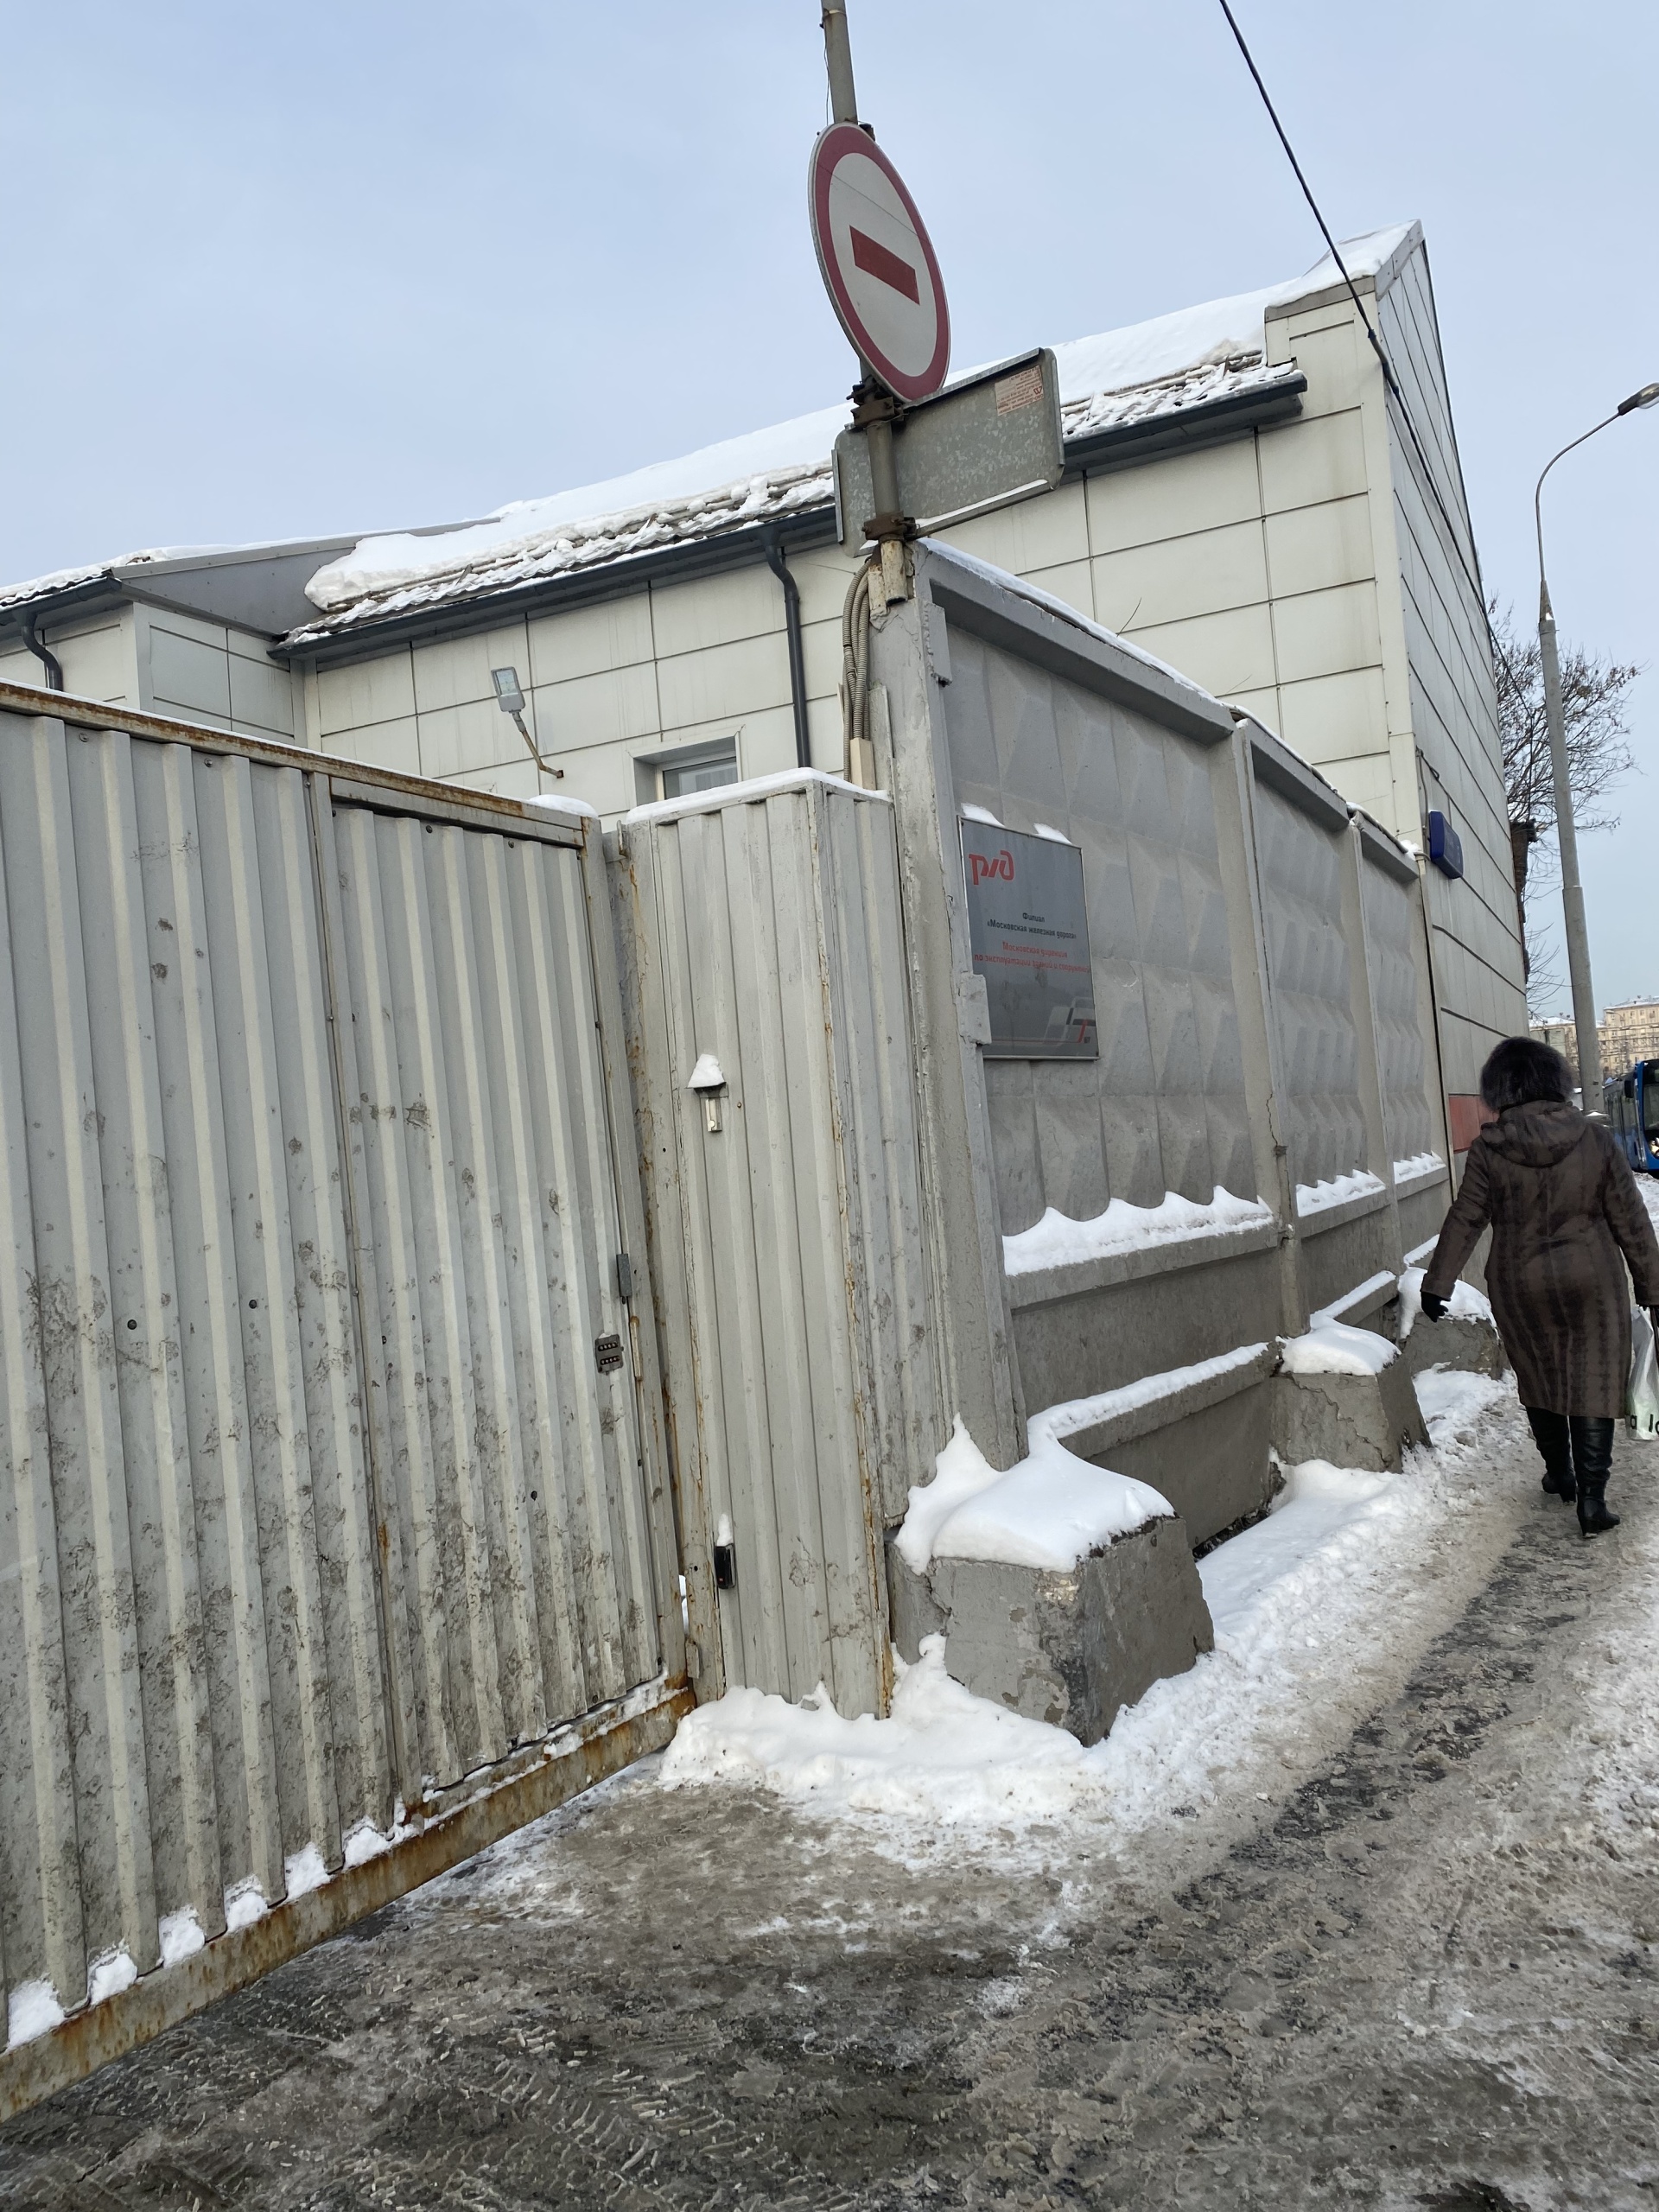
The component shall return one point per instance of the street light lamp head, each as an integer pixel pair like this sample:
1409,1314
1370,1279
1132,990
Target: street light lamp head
508,697
1648,397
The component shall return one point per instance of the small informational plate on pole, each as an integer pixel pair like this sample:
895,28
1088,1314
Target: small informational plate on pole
985,441
878,262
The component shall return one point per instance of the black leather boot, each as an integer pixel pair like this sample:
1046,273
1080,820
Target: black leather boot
1593,1459
1553,1438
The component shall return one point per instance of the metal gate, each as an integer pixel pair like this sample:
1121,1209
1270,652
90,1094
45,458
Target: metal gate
329,1500
790,1251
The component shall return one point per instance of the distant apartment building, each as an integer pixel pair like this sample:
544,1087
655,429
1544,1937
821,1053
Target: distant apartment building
1557,1031
1629,1033
1242,497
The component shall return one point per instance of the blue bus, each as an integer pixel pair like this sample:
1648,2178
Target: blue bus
1632,1105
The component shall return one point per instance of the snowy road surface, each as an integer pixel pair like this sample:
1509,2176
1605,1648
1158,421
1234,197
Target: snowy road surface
1362,1911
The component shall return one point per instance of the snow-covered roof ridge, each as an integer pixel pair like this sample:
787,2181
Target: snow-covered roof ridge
1164,366
384,576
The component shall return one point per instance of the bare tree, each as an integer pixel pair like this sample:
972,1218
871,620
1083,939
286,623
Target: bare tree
1595,699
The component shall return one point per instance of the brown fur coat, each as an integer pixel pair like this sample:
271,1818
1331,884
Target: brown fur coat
1567,1219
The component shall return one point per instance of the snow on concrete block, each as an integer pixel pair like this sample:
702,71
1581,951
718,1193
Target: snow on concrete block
1072,1647
1334,1348
1465,1339
1345,1395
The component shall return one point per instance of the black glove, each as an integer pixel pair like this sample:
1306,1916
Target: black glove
1433,1308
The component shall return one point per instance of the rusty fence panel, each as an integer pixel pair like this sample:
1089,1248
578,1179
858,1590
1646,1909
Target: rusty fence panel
325,1502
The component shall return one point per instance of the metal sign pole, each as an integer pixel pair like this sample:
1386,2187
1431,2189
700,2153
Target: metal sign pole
876,410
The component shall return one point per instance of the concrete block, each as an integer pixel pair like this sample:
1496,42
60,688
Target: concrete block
1475,1346
1353,1421
1071,1649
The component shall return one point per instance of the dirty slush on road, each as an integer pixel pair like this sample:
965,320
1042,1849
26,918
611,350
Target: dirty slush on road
1426,1976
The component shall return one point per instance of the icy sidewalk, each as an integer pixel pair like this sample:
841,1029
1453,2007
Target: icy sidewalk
1302,1603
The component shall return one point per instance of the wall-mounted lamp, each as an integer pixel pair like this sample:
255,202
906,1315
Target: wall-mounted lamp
708,1082
510,697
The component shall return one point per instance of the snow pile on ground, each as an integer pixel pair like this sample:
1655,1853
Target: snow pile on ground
1315,1197
1292,1599
1049,1510
1649,1186
946,1759
1454,1403
1332,1348
1058,1241
1465,1303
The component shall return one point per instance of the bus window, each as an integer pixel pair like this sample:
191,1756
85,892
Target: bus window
1650,1098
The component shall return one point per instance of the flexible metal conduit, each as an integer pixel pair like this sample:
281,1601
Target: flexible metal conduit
779,567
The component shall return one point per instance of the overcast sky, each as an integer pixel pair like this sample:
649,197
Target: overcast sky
284,270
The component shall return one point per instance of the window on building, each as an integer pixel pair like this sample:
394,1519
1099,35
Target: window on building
694,768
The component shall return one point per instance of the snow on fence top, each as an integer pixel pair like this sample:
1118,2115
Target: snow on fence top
1164,366
1058,1241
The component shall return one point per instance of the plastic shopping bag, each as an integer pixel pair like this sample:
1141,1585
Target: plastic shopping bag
1641,1399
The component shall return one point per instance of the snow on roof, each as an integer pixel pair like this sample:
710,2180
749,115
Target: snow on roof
67,579
1161,367
533,538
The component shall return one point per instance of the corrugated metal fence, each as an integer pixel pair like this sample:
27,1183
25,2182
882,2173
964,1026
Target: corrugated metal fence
328,1495
790,1256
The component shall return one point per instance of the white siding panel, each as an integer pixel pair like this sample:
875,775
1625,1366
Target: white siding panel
1203,573
590,640
186,675
726,680
1045,532
1225,652
611,709
720,610
367,691
1304,463
1326,632
262,696
455,671
1309,549
1173,498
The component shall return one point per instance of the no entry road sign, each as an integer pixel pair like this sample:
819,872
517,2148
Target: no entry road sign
878,263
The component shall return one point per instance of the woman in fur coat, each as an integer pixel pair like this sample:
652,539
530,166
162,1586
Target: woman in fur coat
1567,1219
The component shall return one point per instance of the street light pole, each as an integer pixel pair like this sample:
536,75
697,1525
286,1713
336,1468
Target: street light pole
1578,937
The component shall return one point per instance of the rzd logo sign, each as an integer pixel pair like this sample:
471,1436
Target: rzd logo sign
982,866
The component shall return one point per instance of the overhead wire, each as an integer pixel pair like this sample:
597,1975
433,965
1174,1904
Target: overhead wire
1471,574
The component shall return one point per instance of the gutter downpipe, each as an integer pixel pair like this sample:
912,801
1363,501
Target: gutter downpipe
49,660
779,567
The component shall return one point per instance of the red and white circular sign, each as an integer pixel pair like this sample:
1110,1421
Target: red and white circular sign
878,262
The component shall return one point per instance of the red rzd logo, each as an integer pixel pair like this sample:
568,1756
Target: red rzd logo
981,866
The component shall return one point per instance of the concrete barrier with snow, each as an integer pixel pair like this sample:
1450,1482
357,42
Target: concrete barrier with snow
1345,1395
1063,1590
